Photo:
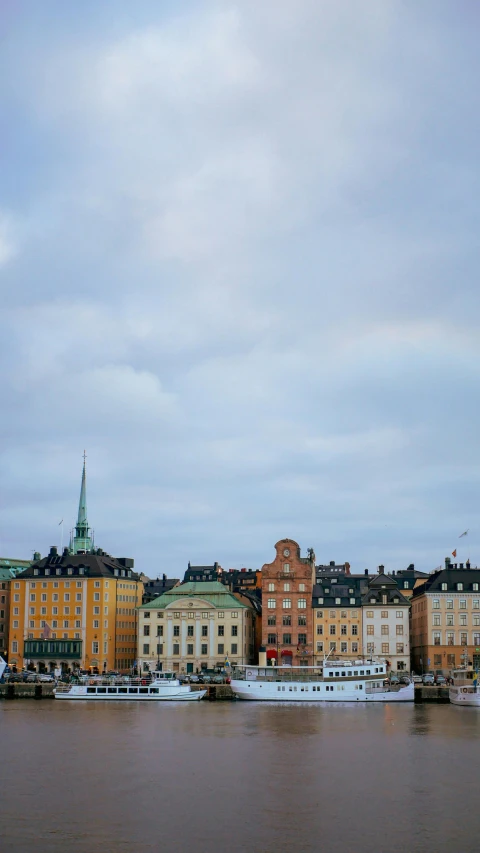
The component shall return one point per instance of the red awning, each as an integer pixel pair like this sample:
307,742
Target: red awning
271,653
286,653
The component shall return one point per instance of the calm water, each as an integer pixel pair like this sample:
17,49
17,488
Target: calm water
238,777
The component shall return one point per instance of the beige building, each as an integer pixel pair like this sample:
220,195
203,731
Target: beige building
194,627
446,619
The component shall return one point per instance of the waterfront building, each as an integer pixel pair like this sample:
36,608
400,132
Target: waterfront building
76,609
446,619
287,619
196,626
386,631
408,579
153,588
337,608
9,568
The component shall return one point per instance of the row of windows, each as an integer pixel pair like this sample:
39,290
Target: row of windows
387,648
450,638
192,614
66,611
286,639
450,619
190,630
190,649
66,584
462,603
286,620
343,630
286,587
287,603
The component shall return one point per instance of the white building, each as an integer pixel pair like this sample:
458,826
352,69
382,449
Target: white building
386,631
193,627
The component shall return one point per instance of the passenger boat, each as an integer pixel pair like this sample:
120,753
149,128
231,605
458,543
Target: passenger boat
465,689
160,687
335,681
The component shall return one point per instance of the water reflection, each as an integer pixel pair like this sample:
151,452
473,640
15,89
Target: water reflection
239,776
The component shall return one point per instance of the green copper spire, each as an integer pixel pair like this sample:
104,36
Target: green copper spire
82,541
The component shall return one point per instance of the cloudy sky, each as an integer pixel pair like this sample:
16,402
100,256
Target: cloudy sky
239,262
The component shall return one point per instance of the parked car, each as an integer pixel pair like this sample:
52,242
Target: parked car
440,679
46,676
428,678
218,679
404,679
15,678
417,679
194,679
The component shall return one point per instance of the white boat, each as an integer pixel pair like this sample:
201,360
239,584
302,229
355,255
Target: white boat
465,689
3,666
161,687
335,681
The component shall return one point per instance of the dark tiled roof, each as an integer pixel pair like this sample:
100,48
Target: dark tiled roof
93,565
451,577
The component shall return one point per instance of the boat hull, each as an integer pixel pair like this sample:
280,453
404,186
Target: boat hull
81,695
255,691
464,696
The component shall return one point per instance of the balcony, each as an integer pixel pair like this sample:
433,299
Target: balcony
53,649
285,576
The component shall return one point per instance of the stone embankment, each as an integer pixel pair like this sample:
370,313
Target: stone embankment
17,690
431,694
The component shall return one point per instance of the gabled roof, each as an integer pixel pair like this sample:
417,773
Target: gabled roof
213,592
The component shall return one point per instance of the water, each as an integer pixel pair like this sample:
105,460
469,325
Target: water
252,777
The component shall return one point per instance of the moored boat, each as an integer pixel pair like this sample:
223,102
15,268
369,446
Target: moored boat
161,686
464,689
335,681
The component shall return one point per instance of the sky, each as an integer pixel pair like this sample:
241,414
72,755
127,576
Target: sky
239,262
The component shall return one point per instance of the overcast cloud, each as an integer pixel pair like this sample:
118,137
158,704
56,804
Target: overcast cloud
239,262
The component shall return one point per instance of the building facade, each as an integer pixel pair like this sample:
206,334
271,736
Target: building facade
446,619
287,618
9,569
386,629
337,608
195,627
75,610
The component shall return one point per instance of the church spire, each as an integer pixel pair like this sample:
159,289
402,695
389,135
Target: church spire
82,540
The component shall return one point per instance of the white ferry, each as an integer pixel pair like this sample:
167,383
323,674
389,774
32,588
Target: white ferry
465,689
161,687
335,681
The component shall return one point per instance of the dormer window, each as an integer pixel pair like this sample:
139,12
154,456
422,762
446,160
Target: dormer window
35,572
460,587
115,571
444,586
320,600
47,571
81,570
58,571
327,591
70,571
337,601
372,601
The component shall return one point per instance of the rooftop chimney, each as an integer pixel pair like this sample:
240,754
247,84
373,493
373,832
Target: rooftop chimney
332,562
366,571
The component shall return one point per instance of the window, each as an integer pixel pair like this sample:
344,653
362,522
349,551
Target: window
436,619
234,649
399,614
96,611
176,630
460,587
449,618
176,649
32,596
286,568
96,596
14,647
221,630
463,604
385,648
399,648
271,620
272,639
436,638
476,620
475,587
302,604
302,620
95,647
78,611
449,603
384,614
437,660
436,604
343,630
160,631
234,614
385,630
333,646
444,586
302,639
369,629
95,623
287,603
333,630
450,638
405,584
354,648
189,648
343,648
369,614
44,596
476,604
354,630
204,649
271,587
399,630
319,630
319,647
221,649
338,601
354,614
286,587
463,619
146,630
287,639
78,596
204,630
301,587
271,603
476,639
55,596
234,630
189,630
463,639
43,611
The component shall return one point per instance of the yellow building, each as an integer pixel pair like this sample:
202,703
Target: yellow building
75,610
337,603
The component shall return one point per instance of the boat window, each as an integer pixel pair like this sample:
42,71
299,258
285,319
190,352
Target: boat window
90,689
356,672
362,672
278,688
337,675
133,689
101,689
143,689
360,686
122,690
368,672
154,690
344,673
376,669
112,690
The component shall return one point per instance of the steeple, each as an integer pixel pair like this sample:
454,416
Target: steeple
82,541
